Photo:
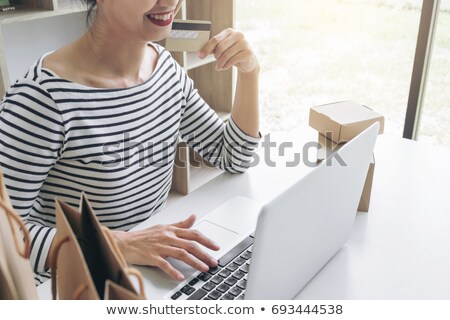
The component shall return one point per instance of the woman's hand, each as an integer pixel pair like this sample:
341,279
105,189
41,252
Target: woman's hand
152,246
230,48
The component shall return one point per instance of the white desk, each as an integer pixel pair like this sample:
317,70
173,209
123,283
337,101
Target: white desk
399,250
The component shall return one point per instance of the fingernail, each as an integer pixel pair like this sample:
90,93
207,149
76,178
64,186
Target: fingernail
201,55
180,277
214,262
217,68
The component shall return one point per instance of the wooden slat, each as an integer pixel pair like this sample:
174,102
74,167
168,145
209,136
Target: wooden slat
222,15
22,14
180,178
4,77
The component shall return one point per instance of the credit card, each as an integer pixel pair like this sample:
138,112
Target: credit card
188,35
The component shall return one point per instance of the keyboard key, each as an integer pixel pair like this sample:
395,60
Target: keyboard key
227,297
217,280
245,268
235,291
214,270
190,291
224,273
206,298
240,261
238,275
246,255
209,286
223,288
233,267
193,282
241,297
242,284
204,276
176,295
236,251
187,289
214,295
231,281
200,293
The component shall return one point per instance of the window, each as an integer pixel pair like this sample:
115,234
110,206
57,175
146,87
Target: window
434,126
321,51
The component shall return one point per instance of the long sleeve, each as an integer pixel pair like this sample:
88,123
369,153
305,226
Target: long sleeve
223,144
31,139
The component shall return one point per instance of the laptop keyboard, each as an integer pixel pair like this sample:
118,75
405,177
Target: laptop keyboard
227,281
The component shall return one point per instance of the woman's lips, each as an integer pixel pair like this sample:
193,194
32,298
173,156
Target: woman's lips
162,20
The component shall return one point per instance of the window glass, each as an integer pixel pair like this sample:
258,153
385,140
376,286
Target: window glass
321,51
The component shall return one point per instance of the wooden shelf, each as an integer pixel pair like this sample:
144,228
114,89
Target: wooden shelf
224,115
22,14
193,61
198,176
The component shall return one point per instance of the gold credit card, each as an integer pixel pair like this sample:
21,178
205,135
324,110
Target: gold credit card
188,35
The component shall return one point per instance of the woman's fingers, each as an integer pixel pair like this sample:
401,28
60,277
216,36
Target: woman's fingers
211,45
241,59
192,248
188,258
165,266
227,56
197,236
230,48
185,224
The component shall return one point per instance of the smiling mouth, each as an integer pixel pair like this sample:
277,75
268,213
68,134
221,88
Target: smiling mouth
161,20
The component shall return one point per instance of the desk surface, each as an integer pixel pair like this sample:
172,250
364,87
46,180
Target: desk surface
399,250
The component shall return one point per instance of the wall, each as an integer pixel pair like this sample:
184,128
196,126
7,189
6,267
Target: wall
26,41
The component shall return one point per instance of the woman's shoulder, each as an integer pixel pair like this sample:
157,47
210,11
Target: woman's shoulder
31,79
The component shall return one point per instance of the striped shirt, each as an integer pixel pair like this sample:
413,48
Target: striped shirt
58,138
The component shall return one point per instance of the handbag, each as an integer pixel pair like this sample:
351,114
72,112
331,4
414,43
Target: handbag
16,274
85,260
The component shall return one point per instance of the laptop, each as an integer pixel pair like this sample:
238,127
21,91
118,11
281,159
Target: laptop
272,251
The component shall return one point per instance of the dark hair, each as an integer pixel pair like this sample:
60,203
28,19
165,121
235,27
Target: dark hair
90,7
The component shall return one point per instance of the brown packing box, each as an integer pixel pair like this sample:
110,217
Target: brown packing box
328,147
364,202
344,119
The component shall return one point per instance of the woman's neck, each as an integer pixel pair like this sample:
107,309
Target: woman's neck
116,58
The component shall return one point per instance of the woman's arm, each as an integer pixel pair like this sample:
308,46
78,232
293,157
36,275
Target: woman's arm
31,138
230,48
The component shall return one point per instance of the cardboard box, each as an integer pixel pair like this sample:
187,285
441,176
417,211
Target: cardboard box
364,202
328,148
345,120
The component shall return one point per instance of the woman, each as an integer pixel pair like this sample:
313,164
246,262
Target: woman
103,115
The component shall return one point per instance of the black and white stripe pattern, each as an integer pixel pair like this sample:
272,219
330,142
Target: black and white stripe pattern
58,138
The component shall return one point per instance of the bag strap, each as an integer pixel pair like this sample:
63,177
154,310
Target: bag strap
138,275
123,262
13,217
79,292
